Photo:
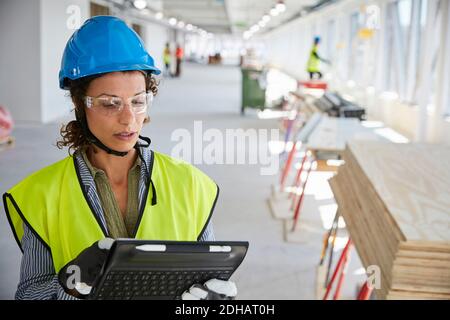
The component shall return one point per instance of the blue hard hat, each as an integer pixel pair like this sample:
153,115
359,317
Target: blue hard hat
103,44
316,39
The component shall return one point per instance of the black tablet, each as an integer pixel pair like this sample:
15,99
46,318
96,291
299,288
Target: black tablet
141,269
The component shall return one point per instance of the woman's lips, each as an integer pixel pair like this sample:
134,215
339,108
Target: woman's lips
125,136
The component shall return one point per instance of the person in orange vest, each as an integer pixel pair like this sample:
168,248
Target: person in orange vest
179,56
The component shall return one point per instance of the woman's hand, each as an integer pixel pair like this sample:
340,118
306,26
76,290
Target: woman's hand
213,289
78,276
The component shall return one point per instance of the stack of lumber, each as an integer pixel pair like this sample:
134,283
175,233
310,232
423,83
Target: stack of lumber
395,199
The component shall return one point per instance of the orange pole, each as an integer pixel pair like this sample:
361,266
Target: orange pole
287,166
300,201
299,173
338,267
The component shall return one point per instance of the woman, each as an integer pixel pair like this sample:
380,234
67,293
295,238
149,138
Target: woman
112,186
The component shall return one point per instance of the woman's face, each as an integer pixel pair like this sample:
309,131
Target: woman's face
119,132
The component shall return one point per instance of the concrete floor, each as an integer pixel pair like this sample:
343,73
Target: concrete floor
273,269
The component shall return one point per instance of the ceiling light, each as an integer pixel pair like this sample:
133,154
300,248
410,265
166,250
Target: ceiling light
181,24
159,15
274,12
265,18
189,27
281,7
254,28
172,21
262,24
140,4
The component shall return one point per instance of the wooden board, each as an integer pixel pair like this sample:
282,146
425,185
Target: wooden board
396,216
413,181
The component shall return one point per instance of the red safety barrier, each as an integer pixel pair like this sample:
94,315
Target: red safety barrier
296,183
314,84
365,292
342,259
287,166
300,200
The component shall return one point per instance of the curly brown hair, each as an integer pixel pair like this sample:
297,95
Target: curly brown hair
72,133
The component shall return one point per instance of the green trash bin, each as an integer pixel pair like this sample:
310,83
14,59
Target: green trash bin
253,91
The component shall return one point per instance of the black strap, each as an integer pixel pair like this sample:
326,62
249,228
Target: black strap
93,139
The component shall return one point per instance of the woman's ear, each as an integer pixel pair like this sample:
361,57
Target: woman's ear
147,119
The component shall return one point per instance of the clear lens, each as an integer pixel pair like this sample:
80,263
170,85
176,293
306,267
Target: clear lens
111,106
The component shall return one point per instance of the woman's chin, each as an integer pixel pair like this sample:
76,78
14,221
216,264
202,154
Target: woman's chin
123,146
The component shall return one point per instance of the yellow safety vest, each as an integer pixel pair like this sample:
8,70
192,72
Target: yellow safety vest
313,62
52,203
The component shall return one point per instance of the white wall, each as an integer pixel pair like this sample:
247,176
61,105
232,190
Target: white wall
155,38
54,33
20,85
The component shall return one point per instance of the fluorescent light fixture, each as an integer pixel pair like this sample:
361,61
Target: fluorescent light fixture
180,24
265,18
189,27
172,21
262,24
274,12
254,28
140,4
159,15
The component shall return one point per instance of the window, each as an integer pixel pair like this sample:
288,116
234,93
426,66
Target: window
98,10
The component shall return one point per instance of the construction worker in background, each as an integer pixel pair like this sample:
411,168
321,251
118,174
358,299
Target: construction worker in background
179,56
68,214
313,66
166,58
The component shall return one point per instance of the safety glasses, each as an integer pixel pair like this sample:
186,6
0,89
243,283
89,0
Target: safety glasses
111,106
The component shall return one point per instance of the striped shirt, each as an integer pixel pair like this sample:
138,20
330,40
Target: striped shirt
38,279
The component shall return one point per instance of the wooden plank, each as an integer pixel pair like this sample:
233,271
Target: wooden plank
413,180
415,267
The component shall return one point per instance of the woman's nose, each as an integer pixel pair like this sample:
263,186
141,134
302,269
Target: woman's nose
127,115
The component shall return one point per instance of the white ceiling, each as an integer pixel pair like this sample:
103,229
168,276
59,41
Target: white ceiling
229,16
245,13
224,16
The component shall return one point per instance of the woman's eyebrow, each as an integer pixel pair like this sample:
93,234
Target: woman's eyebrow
113,95
139,93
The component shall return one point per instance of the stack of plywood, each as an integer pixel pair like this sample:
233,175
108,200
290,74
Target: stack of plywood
395,199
